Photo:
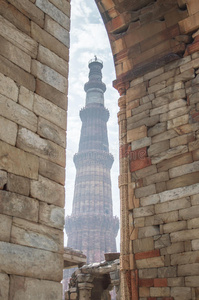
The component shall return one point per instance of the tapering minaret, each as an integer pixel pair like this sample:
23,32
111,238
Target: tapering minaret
91,226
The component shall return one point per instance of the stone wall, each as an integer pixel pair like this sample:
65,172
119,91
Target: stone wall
155,45
161,155
34,39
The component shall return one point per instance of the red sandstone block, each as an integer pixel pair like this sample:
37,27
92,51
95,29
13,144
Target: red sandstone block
151,298
167,298
138,154
125,150
158,282
147,254
146,282
194,47
140,164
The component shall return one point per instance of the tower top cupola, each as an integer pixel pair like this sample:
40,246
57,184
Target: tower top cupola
95,88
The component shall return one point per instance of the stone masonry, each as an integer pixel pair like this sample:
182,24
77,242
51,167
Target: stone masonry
34,46
155,45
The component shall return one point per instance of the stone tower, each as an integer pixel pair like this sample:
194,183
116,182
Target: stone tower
91,226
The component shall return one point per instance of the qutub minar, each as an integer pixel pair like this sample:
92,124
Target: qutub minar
91,227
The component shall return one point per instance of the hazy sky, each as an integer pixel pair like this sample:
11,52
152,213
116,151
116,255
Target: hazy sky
88,38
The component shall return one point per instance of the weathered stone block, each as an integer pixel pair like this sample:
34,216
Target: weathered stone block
28,288
5,224
184,258
52,94
17,113
181,293
30,262
32,143
17,74
178,121
54,13
170,89
159,291
174,162
169,154
182,140
18,38
174,226
194,200
145,244
145,191
175,281
158,148
179,193
48,41
51,215
8,131
52,171
188,269
162,241
136,134
173,248
153,199
189,213
52,132
193,145
193,223
63,5
143,211
48,191
167,272
157,87
144,292
141,108
3,179
148,273
169,134
50,111
157,129
172,205
57,31
4,286
18,162
30,10
163,218
143,120
145,172
159,110
195,244
18,184
49,76
184,235
26,98
163,76
20,21
153,262
148,231
136,92
158,177
52,60
19,206
8,87
192,281
14,54
36,235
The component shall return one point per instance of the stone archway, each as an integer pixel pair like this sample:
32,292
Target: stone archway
155,49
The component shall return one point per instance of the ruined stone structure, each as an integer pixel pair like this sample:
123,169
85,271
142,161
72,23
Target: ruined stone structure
95,281
155,45
92,228
34,42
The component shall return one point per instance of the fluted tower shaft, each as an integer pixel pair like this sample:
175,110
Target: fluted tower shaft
91,226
